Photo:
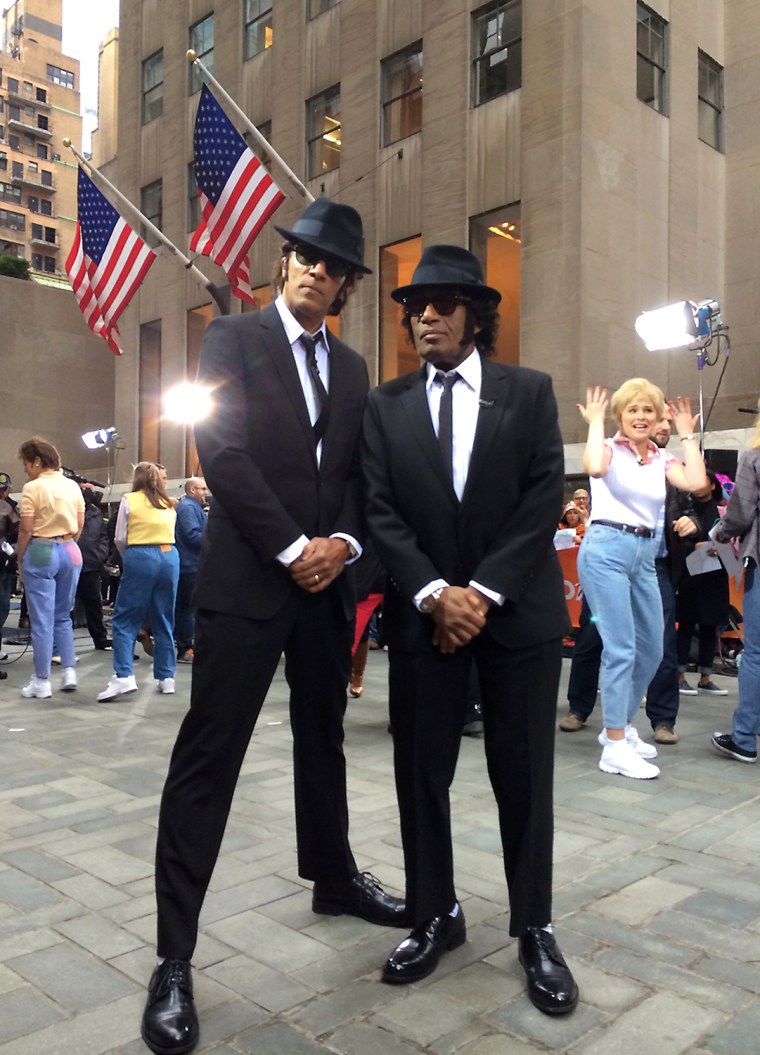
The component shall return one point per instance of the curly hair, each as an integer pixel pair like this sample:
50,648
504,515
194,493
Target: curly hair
481,325
146,478
277,280
35,448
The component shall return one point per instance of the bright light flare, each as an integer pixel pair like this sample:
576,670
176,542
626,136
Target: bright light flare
187,403
671,327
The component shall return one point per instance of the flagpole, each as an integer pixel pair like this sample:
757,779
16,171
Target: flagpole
100,180
264,146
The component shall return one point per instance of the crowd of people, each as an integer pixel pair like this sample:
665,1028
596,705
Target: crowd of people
441,492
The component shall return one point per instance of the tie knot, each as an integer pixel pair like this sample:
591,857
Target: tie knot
447,380
310,343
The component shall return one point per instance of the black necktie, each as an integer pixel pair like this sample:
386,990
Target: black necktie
446,420
321,397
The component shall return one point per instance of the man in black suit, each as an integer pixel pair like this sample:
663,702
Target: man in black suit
464,473
280,455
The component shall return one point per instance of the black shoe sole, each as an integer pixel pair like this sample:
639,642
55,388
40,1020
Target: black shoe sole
174,1050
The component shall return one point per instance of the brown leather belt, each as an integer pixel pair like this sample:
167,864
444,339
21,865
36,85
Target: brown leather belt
55,538
632,529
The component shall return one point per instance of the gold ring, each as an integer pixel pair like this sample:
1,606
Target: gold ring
316,578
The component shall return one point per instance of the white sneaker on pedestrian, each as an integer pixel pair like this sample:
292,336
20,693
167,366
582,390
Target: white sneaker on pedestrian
38,689
68,679
118,687
165,685
618,756
641,747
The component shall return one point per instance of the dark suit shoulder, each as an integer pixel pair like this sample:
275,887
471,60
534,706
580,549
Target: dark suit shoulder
516,374
398,385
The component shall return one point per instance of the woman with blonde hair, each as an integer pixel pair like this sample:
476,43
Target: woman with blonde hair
52,517
616,558
145,538
742,520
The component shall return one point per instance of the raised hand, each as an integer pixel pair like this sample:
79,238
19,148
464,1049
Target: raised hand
596,405
681,416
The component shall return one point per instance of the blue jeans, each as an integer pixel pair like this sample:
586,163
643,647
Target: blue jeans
746,726
184,612
51,572
616,572
148,586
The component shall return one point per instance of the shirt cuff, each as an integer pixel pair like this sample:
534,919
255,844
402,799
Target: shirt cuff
420,596
352,542
497,598
292,552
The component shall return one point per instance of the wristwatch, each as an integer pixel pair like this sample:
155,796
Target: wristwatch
427,604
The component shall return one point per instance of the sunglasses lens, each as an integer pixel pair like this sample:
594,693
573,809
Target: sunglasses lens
443,303
307,257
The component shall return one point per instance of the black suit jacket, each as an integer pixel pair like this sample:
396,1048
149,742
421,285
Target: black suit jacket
500,534
258,458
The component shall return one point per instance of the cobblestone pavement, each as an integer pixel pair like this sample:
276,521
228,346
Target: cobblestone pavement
657,892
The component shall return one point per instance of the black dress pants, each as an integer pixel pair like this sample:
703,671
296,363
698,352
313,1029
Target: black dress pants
428,698
235,661
88,592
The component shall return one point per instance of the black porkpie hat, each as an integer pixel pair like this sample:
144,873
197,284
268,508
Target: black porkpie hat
448,265
335,229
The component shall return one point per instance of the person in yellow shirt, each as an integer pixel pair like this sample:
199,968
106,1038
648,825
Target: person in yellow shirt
52,516
145,538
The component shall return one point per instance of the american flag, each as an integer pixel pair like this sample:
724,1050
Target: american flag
107,262
237,195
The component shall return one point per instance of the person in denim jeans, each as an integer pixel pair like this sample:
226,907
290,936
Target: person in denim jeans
616,558
742,521
52,516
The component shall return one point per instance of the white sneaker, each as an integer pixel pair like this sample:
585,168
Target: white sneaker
118,687
641,747
38,688
68,679
165,685
618,756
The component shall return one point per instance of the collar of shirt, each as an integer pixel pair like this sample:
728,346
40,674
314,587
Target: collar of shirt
294,329
470,371
652,448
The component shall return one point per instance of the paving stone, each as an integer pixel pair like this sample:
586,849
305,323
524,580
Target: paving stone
74,979
42,866
641,901
738,1035
666,978
278,1038
24,892
271,990
721,909
361,1039
667,1022
24,1009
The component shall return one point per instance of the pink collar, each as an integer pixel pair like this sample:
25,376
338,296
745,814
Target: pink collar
652,448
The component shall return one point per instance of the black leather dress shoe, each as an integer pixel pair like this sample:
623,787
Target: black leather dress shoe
360,896
418,955
169,1023
551,986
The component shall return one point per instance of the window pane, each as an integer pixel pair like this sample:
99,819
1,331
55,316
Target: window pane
402,94
202,42
651,59
323,133
258,27
397,354
496,240
153,87
496,51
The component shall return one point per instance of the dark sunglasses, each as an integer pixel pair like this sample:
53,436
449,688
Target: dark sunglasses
443,303
308,257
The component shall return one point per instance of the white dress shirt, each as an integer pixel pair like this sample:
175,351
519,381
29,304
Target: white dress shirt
465,396
293,331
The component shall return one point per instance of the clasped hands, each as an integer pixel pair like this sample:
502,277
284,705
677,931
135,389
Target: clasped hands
321,562
459,616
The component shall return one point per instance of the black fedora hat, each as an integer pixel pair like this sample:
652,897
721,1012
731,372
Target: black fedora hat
335,229
448,265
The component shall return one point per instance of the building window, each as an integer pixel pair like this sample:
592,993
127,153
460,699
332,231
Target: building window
49,264
3,160
150,389
46,207
46,177
17,169
33,204
42,122
496,46
37,261
16,221
28,87
50,234
193,201
496,240
257,19
402,94
151,206
397,354
14,142
58,76
323,132
651,59
10,193
13,85
33,166
153,87
41,95
202,43
710,101
316,7
42,151
2,104
37,231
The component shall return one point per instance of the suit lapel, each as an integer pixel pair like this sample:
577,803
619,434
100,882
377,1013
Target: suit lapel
277,345
415,404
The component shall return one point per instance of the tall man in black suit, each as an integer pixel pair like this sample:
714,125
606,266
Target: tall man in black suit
279,452
464,473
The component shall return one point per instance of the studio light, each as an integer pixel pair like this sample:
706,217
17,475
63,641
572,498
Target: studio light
679,325
99,438
187,403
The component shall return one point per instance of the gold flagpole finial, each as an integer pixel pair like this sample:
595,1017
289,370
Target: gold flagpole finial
191,55
66,142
